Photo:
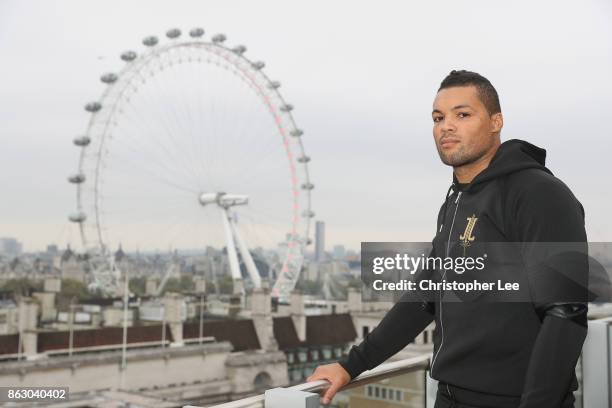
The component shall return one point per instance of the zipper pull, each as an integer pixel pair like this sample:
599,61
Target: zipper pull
458,196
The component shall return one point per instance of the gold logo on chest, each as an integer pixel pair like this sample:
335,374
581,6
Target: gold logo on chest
466,238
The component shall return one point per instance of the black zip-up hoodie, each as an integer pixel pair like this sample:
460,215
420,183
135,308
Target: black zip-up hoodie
494,348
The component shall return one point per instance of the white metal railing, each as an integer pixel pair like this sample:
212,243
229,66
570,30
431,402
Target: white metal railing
596,360
381,372
596,363
108,347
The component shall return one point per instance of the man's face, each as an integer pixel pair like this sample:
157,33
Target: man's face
463,129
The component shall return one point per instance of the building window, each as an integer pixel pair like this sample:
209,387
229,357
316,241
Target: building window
384,393
290,358
327,353
296,374
425,339
262,382
365,330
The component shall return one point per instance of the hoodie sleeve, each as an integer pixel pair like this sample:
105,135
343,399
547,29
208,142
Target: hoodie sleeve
402,323
400,326
549,223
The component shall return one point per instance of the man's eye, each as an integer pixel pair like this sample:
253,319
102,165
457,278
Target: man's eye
463,115
437,119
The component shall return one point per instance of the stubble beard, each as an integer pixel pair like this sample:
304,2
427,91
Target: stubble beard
461,156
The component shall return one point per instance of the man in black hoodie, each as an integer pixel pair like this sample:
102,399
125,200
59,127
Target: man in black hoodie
500,354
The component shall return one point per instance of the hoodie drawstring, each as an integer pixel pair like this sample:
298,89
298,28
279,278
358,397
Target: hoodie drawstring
452,397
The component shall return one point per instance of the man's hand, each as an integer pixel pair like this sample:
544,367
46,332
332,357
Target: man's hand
335,374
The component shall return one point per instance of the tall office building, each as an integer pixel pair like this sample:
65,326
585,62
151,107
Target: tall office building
339,252
10,247
319,241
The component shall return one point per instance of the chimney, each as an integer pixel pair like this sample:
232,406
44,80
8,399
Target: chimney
261,302
354,300
298,315
261,313
173,306
200,284
28,314
235,306
28,321
48,311
150,286
29,339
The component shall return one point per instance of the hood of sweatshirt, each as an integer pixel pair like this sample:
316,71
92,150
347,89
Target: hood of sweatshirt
511,156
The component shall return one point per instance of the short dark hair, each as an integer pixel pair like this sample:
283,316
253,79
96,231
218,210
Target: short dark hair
486,91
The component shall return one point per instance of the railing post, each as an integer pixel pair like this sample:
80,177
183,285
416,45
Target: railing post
596,376
286,397
306,395
431,389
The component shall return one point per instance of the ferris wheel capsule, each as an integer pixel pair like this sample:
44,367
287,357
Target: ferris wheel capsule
77,178
93,107
274,85
109,78
150,41
219,38
196,32
307,186
233,199
81,141
128,56
296,133
77,217
258,65
308,214
173,33
303,159
208,198
286,107
239,49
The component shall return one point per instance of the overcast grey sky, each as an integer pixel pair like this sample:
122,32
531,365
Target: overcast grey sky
362,76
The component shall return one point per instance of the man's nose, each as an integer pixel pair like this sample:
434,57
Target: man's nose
448,125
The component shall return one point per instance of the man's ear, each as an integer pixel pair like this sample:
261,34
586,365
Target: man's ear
497,122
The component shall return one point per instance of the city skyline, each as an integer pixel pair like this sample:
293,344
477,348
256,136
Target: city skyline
362,92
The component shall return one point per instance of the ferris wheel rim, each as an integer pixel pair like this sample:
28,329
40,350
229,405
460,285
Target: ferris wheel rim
144,60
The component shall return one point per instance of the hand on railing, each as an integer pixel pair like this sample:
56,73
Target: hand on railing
335,374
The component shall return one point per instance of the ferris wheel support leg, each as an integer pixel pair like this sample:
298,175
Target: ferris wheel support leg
232,256
170,271
246,256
